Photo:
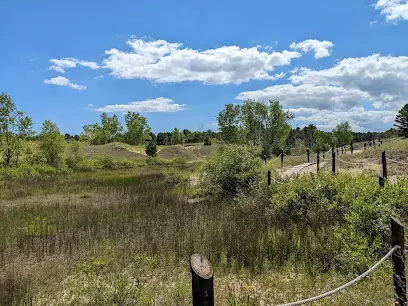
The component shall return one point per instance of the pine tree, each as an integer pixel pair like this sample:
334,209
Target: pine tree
151,149
402,121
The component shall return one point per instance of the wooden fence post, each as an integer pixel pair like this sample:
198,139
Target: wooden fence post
202,281
398,262
323,153
269,177
384,165
308,155
351,147
318,162
282,160
334,162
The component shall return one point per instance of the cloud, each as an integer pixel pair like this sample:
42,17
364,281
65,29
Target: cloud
359,118
382,78
158,105
308,95
367,91
393,9
320,48
165,62
61,64
62,81
98,77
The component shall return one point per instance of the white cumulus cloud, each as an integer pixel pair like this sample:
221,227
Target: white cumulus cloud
320,48
393,9
62,81
382,78
367,91
157,105
60,65
166,62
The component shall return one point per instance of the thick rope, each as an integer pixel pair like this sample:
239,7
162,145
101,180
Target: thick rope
325,158
397,162
276,158
282,183
350,163
352,282
296,155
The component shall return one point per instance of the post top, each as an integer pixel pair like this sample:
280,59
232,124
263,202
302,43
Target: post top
201,266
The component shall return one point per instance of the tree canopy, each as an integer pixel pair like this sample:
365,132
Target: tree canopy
402,121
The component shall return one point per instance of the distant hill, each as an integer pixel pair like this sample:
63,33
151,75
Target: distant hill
191,152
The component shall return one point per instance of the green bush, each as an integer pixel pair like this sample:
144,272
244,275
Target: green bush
151,148
207,141
75,154
231,169
352,209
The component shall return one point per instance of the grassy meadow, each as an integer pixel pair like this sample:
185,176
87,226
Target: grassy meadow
125,236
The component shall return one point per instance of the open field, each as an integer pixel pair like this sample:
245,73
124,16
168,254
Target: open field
124,237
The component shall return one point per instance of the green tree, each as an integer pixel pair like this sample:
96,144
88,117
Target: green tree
265,124
322,141
229,123
309,135
15,126
111,127
52,143
176,137
94,134
151,148
137,128
342,134
402,121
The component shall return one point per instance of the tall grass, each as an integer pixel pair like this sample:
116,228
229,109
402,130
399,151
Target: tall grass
99,238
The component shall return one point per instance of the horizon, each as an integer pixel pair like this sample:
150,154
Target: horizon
178,65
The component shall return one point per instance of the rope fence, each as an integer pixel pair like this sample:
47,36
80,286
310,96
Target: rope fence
203,282
350,283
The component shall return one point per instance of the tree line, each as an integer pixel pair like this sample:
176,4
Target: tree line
265,125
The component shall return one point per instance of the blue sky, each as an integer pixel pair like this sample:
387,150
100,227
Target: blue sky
180,62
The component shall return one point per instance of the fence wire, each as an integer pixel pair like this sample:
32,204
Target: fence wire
338,289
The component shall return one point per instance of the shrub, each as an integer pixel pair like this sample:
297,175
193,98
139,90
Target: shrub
355,215
207,141
75,154
180,160
231,169
151,149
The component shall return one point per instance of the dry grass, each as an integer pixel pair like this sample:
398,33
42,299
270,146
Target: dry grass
125,238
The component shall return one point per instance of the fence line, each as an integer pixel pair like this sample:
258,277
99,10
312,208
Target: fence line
203,285
397,162
352,282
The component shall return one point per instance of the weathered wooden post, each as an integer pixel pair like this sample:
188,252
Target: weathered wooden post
342,150
323,154
269,177
282,160
351,147
384,165
202,281
318,161
334,162
308,155
365,146
398,262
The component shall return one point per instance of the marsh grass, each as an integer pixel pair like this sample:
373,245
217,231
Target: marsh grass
124,237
